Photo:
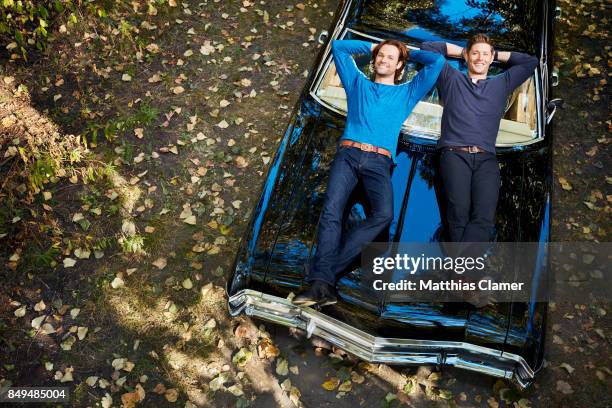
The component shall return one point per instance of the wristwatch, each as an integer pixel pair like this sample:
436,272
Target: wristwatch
495,55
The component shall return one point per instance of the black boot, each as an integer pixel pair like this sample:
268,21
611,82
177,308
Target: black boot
320,294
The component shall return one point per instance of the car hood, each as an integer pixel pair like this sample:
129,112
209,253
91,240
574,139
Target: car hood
283,233
417,218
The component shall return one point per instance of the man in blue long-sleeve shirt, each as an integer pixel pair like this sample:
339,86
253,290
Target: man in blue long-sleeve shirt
367,148
473,108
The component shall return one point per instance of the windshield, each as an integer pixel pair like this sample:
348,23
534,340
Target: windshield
513,25
517,127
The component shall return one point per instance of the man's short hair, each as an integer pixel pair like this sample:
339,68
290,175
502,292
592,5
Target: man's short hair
478,38
404,54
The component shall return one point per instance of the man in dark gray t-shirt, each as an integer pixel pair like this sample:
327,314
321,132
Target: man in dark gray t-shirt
473,108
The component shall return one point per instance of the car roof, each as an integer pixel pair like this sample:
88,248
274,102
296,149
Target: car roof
512,25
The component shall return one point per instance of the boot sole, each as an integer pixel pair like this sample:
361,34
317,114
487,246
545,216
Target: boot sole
328,302
305,303
308,303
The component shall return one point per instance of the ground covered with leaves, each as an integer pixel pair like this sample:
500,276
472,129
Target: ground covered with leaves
113,280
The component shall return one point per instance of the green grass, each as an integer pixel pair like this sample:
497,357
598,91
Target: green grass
39,259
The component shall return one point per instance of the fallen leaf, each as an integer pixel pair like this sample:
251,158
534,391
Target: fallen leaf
81,253
241,162
345,386
75,312
565,184
69,262
160,263
356,378
67,376
47,328
159,388
294,396
331,384
242,357
236,390
68,343
242,330
217,382
191,220
567,367
82,332
282,367
171,395
129,400
20,312
155,78
107,401
187,284
266,349
117,283
207,49
564,387
119,363
36,322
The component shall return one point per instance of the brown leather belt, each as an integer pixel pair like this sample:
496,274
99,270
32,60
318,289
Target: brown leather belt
366,147
469,149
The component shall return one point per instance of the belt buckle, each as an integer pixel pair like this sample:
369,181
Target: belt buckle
366,147
472,149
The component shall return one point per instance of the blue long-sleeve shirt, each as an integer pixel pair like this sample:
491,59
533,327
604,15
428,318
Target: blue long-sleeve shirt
473,111
376,111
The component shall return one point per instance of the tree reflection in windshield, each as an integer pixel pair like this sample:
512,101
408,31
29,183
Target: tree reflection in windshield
511,23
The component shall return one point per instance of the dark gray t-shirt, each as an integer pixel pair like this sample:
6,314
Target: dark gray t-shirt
473,111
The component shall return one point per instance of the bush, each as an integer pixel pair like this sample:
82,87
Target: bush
25,23
41,152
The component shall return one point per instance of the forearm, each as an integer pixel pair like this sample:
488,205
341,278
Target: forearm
427,77
424,57
343,51
351,47
453,50
503,56
521,67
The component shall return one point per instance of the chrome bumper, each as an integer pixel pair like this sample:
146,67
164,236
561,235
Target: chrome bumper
378,349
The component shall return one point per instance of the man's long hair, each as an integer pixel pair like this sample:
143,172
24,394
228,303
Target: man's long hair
403,55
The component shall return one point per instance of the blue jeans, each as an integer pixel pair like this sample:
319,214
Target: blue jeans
471,183
337,250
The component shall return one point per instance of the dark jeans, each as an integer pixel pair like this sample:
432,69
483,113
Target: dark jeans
471,186
337,250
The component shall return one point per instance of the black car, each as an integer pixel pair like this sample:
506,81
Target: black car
505,339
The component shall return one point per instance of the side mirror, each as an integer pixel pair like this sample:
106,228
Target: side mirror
323,36
555,77
551,108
